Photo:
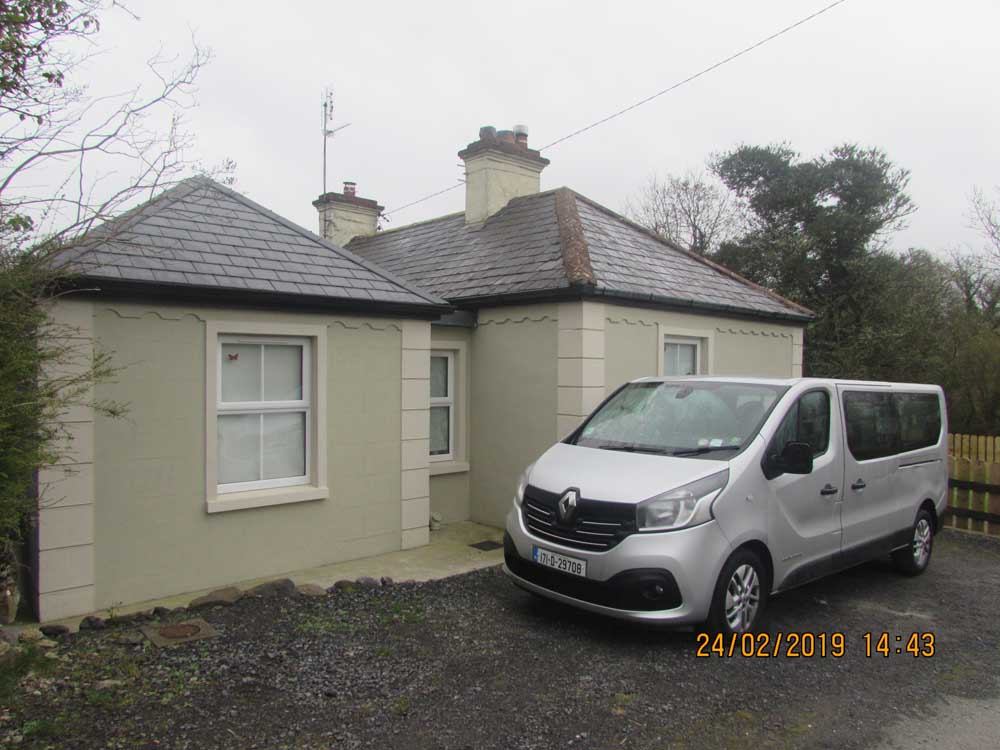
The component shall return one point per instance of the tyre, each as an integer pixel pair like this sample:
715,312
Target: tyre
913,559
740,595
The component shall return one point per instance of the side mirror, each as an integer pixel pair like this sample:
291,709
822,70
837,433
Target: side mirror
797,458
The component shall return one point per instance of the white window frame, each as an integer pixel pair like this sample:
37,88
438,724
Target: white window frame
448,401
703,337
313,486
696,343
301,406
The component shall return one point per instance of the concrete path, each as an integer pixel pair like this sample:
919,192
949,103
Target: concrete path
957,724
448,554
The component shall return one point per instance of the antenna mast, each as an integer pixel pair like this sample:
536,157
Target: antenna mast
325,126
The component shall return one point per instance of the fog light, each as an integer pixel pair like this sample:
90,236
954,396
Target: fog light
653,592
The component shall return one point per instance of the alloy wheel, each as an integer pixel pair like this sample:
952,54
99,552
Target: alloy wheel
922,539
742,598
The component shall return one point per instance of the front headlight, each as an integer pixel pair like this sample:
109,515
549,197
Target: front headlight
522,484
689,505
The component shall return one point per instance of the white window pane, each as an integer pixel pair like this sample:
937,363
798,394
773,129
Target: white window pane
284,445
440,430
239,448
282,373
240,372
439,377
680,359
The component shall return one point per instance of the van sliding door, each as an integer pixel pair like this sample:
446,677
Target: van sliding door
870,511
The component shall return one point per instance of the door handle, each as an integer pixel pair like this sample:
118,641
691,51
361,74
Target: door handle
858,485
829,490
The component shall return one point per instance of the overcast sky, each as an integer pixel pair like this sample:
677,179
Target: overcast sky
416,80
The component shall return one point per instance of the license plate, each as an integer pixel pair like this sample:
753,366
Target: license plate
562,563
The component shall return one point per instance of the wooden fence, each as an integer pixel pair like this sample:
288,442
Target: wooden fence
974,481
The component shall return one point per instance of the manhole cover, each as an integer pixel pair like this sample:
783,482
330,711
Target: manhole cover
177,633
486,545
182,630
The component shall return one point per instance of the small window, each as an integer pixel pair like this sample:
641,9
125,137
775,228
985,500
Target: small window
808,421
872,424
263,413
681,357
919,420
442,427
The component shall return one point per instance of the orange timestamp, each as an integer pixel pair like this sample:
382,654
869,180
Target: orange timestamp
808,645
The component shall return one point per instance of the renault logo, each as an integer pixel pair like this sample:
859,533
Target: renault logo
567,505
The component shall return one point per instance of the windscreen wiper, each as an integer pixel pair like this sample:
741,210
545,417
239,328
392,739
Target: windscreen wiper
706,449
631,448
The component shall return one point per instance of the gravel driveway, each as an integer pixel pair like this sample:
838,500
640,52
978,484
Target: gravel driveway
473,662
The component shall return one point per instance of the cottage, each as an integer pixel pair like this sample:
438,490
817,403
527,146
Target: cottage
560,300
293,403
271,380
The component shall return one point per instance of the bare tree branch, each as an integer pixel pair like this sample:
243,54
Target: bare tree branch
692,210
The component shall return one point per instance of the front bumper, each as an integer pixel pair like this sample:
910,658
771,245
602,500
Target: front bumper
684,563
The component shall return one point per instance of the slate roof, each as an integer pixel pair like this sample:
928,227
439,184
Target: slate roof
202,236
560,241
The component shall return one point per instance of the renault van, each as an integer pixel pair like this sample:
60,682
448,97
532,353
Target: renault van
692,500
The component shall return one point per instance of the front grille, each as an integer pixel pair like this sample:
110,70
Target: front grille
643,590
597,525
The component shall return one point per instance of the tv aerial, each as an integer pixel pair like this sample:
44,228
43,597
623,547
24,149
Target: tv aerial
327,128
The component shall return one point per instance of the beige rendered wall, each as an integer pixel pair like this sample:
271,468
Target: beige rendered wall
736,347
514,375
450,480
153,536
66,490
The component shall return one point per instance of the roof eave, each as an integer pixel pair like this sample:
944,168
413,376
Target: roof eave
223,296
635,299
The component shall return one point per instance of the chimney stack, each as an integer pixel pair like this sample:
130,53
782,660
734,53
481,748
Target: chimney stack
344,216
499,167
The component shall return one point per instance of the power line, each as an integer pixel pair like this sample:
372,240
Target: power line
674,87
425,198
697,75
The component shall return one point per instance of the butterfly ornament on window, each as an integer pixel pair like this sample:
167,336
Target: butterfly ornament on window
233,357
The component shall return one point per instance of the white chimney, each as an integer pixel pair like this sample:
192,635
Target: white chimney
344,216
499,167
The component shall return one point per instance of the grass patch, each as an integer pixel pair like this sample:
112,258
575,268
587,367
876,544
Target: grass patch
402,613
958,673
619,702
42,728
99,698
24,662
324,624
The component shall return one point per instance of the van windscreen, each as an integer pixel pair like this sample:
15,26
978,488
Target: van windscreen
680,418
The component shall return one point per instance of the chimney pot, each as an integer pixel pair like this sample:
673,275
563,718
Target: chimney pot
498,168
521,135
350,189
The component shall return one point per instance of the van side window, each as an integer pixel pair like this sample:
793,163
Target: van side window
919,420
872,424
808,421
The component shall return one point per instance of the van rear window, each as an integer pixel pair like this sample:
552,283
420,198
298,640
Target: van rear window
881,424
919,420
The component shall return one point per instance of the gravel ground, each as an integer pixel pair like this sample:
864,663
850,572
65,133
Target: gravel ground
473,662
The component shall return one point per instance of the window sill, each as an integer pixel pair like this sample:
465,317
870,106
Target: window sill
447,467
263,498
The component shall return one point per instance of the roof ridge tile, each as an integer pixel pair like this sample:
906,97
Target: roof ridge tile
572,240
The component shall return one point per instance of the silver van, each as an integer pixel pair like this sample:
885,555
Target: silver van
692,500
